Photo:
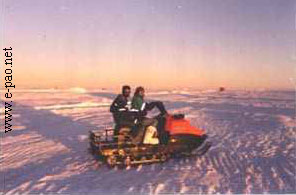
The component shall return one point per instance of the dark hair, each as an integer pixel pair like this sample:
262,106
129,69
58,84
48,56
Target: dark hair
125,87
138,89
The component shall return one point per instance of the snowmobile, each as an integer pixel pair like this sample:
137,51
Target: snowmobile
174,136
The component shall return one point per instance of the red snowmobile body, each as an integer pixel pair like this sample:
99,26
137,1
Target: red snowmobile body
179,125
176,137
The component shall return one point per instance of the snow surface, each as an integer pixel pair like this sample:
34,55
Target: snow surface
253,136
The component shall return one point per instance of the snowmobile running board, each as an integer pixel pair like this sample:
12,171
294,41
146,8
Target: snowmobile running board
202,149
134,162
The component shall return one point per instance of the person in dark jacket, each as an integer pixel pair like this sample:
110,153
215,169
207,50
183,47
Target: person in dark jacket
142,108
120,109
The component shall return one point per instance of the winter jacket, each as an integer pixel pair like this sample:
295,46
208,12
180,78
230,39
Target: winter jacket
139,106
120,111
119,104
138,103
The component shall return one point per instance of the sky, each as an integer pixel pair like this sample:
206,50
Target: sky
157,44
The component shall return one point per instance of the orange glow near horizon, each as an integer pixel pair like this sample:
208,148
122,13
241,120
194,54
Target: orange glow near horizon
161,76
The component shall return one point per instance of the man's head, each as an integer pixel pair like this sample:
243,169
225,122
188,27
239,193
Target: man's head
140,91
126,91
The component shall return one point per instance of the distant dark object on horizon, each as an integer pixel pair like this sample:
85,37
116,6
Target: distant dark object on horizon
221,89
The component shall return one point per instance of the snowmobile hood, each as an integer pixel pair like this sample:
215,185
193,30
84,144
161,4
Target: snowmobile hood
177,126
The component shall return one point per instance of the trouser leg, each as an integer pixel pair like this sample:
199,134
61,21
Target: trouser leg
159,105
117,125
116,129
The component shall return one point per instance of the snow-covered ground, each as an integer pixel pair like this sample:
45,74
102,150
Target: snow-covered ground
253,136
